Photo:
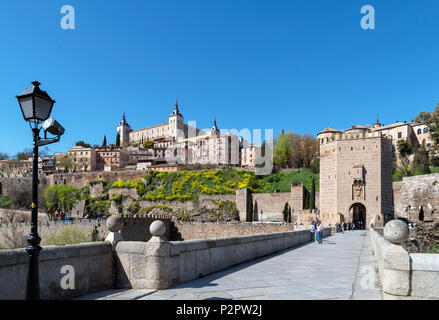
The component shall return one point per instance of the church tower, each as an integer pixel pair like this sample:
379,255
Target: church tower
176,123
123,132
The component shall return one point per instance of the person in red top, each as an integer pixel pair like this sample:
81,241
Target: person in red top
319,232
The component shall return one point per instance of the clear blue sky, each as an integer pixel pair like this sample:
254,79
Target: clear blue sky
299,65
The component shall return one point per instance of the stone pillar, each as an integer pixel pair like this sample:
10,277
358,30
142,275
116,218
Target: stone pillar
158,262
242,203
396,261
298,197
114,224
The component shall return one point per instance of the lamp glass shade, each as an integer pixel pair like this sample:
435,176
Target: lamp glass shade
36,105
43,108
27,107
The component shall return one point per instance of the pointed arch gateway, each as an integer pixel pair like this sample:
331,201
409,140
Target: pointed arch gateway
358,214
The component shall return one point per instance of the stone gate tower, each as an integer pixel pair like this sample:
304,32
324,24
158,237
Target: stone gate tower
355,176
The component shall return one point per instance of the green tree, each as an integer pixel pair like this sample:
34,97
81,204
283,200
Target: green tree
249,209
60,198
104,143
423,117
421,161
432,121
4,156
307,199
149,144
66,164
312,201
25,154
82,144
404,150
282,150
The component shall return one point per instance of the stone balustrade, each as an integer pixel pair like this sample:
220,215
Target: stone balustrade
403,274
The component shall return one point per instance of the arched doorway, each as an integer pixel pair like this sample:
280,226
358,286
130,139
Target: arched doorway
359,214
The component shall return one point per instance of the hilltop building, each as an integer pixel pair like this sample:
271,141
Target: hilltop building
176,142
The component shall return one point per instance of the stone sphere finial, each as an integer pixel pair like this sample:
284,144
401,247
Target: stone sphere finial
396,231
157,228
114,223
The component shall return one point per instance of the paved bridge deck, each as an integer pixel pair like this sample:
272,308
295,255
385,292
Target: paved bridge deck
340,268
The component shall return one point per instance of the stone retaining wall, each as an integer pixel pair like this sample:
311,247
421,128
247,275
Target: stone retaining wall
19,216
403,274
93,270
415,193
159,264
203,231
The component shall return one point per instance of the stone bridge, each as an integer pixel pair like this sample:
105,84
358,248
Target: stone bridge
342,267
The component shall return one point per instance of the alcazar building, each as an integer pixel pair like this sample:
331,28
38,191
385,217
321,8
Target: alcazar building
179,143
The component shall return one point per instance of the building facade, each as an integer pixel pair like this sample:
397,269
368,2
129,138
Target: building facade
84,159
111,157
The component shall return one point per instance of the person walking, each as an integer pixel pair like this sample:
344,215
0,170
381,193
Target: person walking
353,226
319,232
313,230
342,226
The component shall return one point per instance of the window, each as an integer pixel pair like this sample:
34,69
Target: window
399,135
425,130
419,131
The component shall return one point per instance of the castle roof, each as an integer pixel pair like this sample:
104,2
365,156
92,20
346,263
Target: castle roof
394,125
151,127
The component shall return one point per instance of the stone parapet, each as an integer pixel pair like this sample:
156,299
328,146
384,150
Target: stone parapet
403,274
161,264
92,267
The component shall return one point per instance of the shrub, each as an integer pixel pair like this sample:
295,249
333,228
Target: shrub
5,202
68,235
14,237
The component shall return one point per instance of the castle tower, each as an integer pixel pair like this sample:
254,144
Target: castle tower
176,123
123,131
355,178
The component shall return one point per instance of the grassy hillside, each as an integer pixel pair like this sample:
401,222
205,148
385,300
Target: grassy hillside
188,185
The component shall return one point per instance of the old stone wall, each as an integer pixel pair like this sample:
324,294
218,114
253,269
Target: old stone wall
270,204
417,195
203,231
82,179
132,192
8,186
14,235
19,216
92,264
136,227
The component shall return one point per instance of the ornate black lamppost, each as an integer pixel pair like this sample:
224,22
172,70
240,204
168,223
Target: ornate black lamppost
36,106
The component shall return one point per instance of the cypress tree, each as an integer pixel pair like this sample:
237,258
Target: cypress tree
250,210
307,199
285,212
104,143
312,202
